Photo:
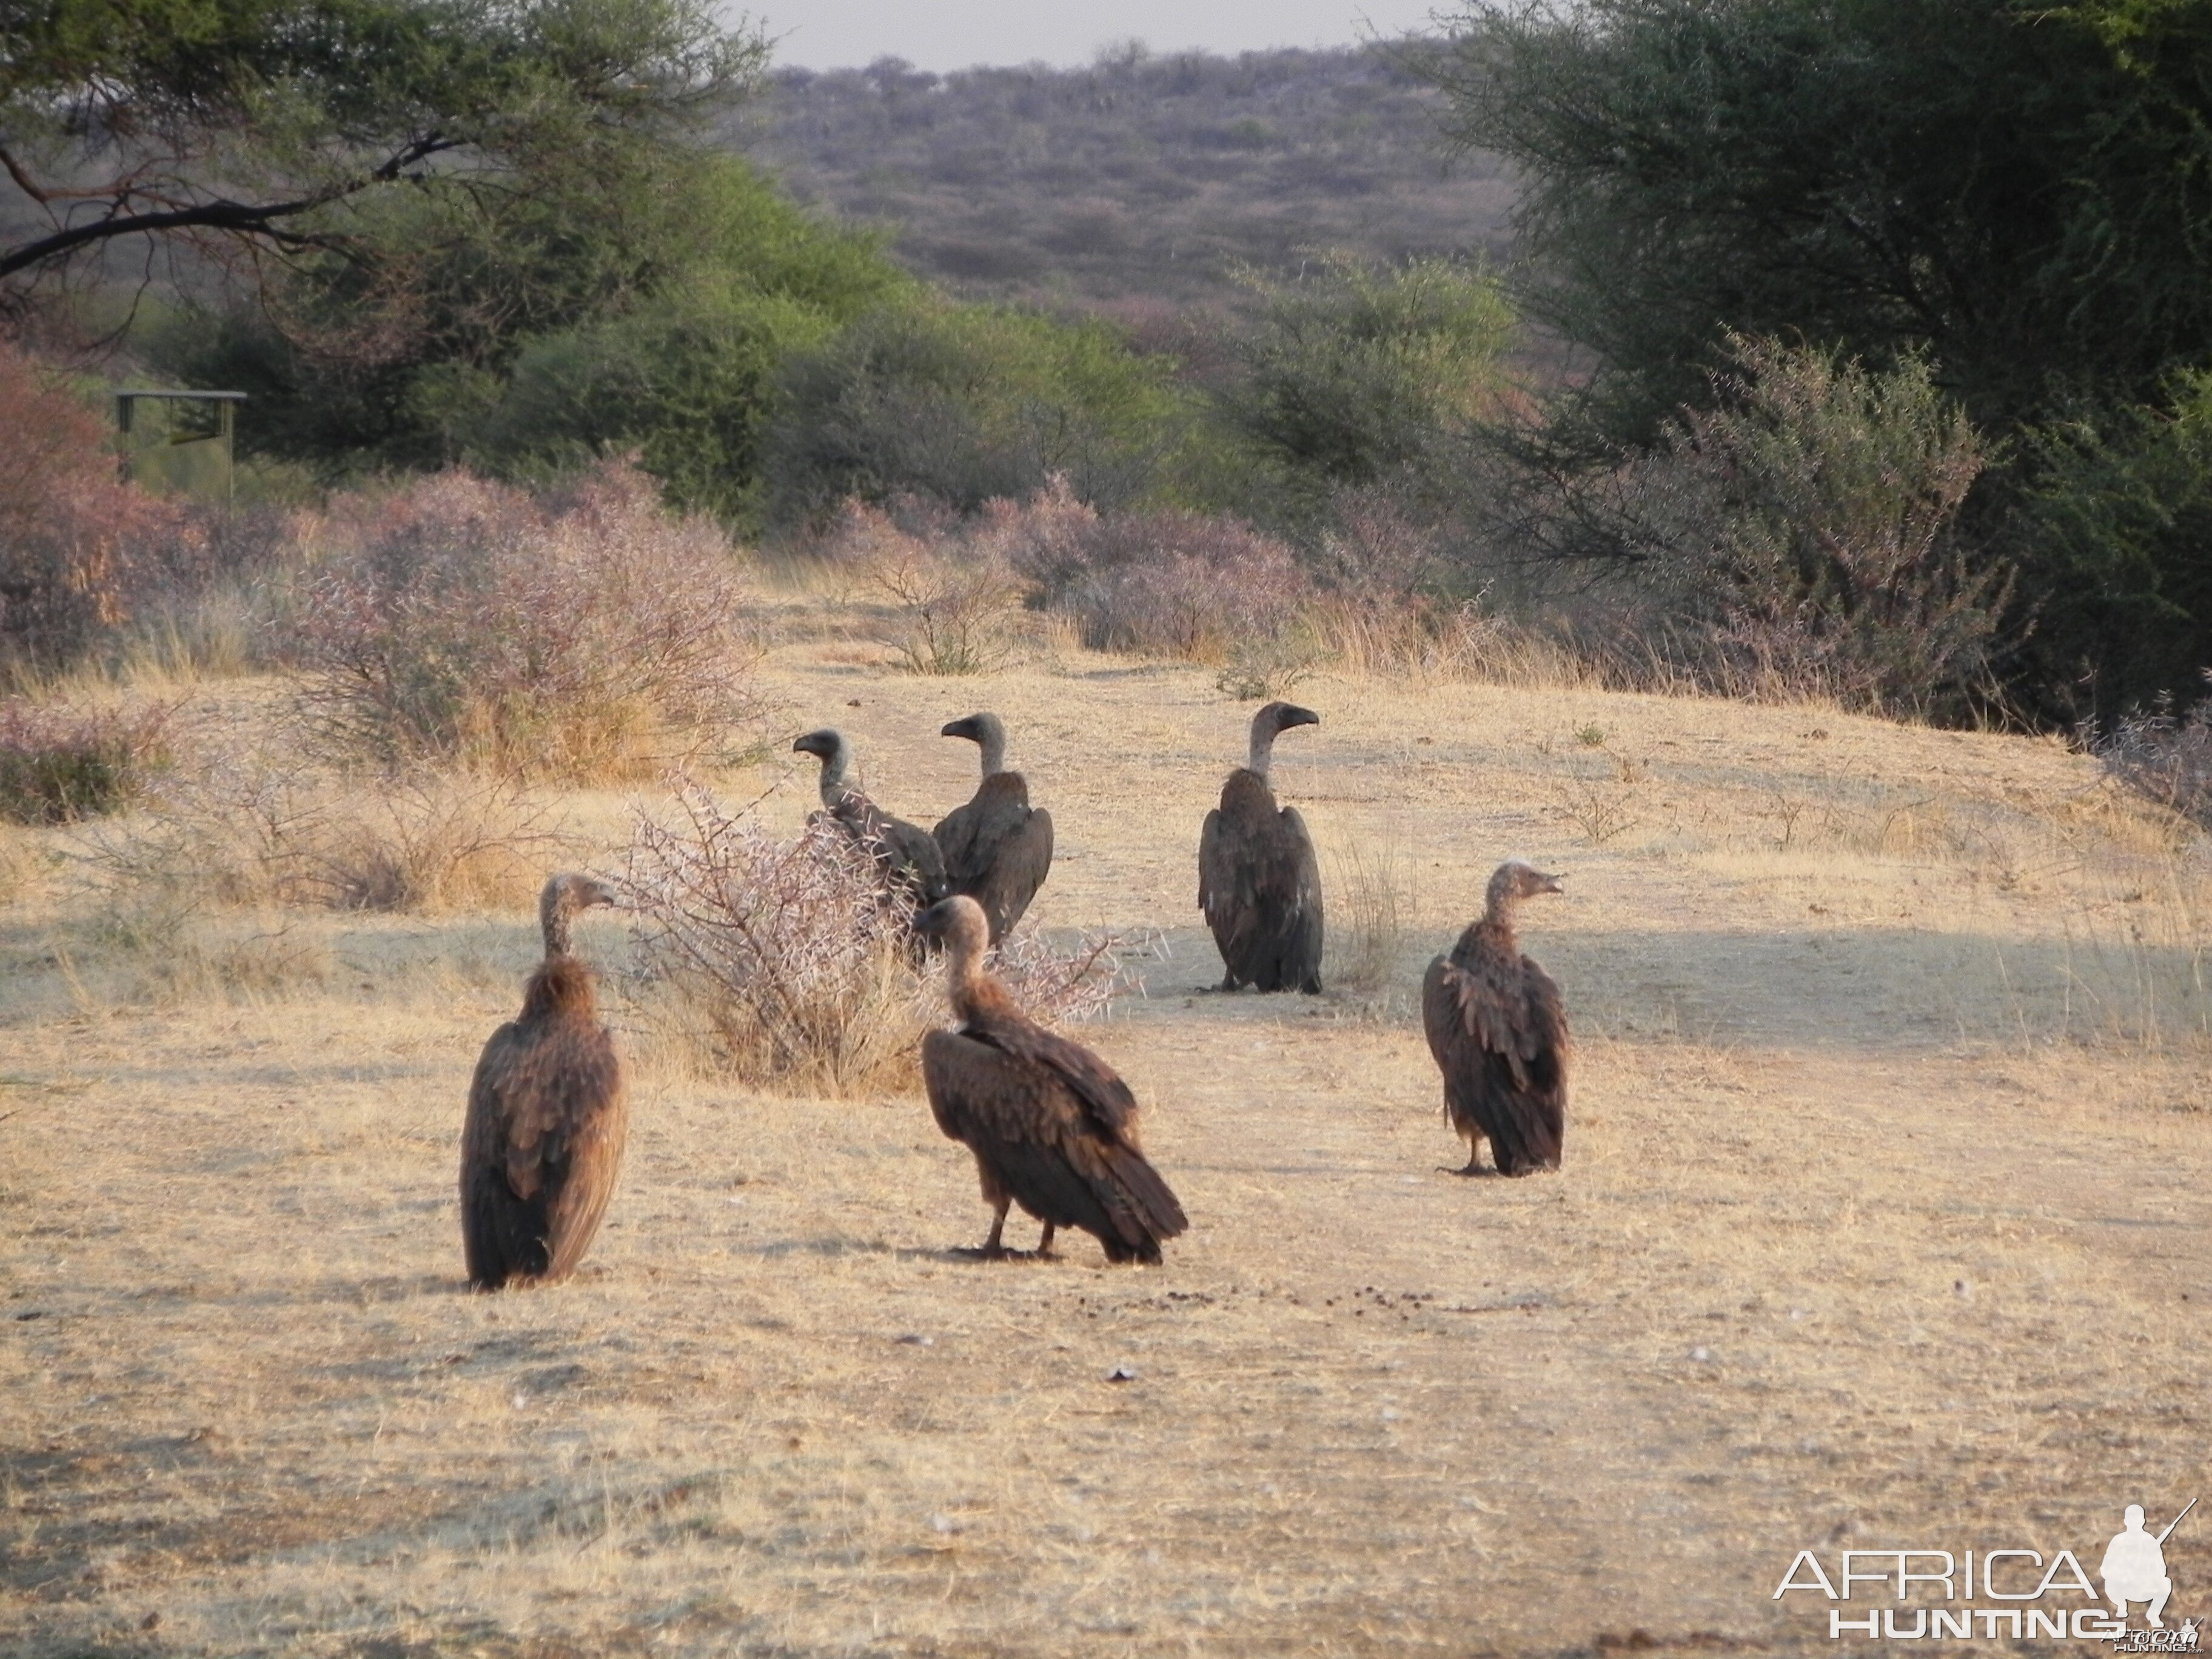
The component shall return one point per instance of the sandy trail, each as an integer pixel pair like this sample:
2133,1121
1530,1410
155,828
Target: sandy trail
1875,1229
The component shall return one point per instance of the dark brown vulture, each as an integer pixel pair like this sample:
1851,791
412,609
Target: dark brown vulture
548,1114
1053,1128
906,855
997,848
1258,881
1499,1034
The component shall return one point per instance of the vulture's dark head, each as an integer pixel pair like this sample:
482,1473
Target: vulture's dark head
826,744
957,923
562,897
987,732
1282,716
976,728
1516,879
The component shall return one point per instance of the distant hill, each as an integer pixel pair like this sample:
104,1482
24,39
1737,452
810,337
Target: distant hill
1138,185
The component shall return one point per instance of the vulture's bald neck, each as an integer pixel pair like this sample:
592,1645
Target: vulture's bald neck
555,913
836,767
992,740
1263,748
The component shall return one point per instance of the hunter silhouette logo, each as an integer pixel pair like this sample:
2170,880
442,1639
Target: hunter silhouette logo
2023,1595
2134,1567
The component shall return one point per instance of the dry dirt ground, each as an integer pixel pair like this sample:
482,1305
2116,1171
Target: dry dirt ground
1883,1223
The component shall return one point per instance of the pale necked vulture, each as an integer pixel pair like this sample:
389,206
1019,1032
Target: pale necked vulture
548,1113
997,848
1052,1128
1499,1033
1258,880
906,855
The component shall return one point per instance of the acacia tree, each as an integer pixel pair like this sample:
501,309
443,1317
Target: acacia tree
2018,192
244,125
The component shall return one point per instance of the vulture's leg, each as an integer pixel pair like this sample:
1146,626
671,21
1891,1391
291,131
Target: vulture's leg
1473,1165
1044,1243
993,1249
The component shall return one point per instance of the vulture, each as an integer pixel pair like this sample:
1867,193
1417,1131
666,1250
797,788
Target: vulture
1258,881
907,859
997,848
547,1117
1052,1128
1500,1035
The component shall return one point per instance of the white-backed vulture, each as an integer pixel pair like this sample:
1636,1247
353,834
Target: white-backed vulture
1052,1128
1258,880
997,848
906,855
1499,1034
548,1114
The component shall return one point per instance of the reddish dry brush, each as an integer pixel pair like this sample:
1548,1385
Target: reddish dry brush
577,634
777,961
76,544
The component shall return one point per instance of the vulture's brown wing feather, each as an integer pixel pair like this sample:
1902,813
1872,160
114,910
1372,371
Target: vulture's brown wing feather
547,1119
1217,871
906,854
997,850
1096,1086
1036,1140
502,1232
1018,867
1499,1031
594,1127
1301,903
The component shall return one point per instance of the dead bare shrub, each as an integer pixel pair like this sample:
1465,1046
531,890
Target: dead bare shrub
774,962
266,827
949,600
2165,757
577,634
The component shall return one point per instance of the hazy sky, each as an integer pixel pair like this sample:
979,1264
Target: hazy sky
949,34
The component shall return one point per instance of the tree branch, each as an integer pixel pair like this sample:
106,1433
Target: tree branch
232,218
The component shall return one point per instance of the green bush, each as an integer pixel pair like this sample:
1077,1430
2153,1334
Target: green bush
1357,373
520,340
967,403
2117,519
1800,535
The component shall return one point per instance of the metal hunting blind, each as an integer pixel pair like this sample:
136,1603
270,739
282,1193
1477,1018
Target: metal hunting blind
178,440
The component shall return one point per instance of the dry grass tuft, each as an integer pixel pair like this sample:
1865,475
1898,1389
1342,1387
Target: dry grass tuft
262,826
1372,906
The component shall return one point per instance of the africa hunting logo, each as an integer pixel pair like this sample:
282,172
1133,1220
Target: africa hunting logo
2031,1596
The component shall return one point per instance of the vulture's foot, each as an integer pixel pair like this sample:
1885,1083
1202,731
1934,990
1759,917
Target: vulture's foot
990,1251
1470,1167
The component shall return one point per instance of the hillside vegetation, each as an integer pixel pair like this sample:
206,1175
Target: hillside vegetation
1138,182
